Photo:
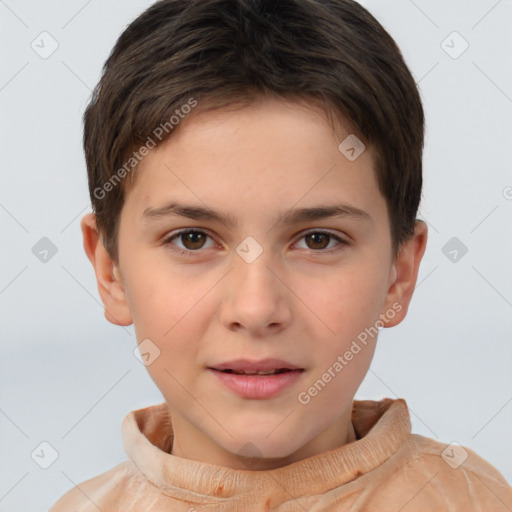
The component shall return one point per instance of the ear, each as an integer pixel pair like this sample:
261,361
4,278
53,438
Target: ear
404,275
110,285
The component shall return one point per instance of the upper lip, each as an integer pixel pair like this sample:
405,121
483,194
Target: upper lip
255,366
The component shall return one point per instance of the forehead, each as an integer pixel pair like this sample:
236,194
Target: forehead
263,157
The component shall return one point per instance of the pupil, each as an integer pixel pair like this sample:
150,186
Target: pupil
193,238
321,236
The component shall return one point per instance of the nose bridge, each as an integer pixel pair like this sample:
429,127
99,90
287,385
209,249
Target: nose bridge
253,264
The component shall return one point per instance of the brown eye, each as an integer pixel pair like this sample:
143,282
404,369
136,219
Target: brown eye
320,240
193,239
189,241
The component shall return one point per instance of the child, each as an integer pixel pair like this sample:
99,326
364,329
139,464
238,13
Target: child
255,170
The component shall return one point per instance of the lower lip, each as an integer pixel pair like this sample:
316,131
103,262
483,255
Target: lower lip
258,386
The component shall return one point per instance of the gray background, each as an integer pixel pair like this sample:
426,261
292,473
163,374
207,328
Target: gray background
68,377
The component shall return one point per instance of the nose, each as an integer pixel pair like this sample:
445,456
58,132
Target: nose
256,297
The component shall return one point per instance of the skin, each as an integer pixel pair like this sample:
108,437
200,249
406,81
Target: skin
300,300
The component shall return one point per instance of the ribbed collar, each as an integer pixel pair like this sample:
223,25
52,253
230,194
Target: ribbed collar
381,428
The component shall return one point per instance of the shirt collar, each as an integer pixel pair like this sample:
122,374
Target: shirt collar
381,428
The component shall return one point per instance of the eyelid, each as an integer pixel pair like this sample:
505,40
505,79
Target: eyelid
334,234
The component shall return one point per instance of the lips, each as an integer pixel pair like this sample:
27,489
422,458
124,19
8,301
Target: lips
261,372
262,367
263,379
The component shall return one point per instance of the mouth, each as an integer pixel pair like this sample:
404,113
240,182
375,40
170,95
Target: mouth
253,367
261,372
257,379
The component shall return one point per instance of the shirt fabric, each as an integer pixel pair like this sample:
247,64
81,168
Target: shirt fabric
386,469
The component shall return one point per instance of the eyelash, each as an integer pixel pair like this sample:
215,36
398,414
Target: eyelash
182,252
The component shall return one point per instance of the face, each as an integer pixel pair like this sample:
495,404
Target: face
250,237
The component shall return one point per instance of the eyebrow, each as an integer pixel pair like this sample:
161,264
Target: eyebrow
291,217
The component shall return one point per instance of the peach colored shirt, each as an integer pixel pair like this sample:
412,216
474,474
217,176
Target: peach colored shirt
387,469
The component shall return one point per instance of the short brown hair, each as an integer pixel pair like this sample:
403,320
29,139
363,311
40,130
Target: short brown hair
231,52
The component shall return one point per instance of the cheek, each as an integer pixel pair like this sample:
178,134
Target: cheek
161,297
167,316
345,303
169,313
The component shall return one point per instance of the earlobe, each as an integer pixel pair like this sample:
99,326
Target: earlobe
110,285
405,270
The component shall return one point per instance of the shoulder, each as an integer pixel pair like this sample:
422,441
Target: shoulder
438,476
102,491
